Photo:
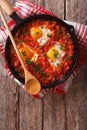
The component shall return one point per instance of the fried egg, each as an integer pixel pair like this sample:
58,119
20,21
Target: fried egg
55,55
41,34
27,53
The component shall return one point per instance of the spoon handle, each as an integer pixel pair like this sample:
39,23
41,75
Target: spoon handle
12,39
6,6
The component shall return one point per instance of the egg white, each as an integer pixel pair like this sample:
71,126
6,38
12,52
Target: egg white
45,32
58,59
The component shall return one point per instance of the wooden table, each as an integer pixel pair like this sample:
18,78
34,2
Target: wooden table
19,111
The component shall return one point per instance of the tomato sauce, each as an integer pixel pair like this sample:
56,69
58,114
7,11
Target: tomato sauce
48,62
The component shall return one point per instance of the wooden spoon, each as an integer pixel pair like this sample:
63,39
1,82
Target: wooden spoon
32,85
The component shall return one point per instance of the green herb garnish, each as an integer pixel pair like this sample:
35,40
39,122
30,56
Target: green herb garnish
29,62
69,57
19,70
57,64
48,35
55,53
57,33
53,80
24,53
36,68
39,70
62,47
20,41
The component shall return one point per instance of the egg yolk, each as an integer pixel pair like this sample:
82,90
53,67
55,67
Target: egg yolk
25,53
36,33
52,54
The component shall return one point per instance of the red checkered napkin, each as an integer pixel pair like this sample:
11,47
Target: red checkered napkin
24,9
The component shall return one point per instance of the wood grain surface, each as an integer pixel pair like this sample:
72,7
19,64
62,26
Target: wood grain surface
19,111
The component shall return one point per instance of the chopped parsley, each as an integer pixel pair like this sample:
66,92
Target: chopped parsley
36,68
48,35
19,70
53,80
57,33
24,53
55,53
39,70
29,62
20,41
62,47
57,64
69,57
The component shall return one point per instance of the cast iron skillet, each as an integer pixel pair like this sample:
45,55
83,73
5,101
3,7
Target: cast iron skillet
21,22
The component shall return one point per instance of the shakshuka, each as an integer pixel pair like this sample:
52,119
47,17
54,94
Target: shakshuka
47,50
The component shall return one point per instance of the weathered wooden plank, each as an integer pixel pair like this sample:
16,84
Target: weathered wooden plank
8,101
30,112
11,105
76,10
76,102
37,2
56,6
76,98
54,112
2,96
8,97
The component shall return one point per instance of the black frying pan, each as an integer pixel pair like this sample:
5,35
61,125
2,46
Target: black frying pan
21,22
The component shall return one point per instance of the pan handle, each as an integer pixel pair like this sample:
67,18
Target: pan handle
9,10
